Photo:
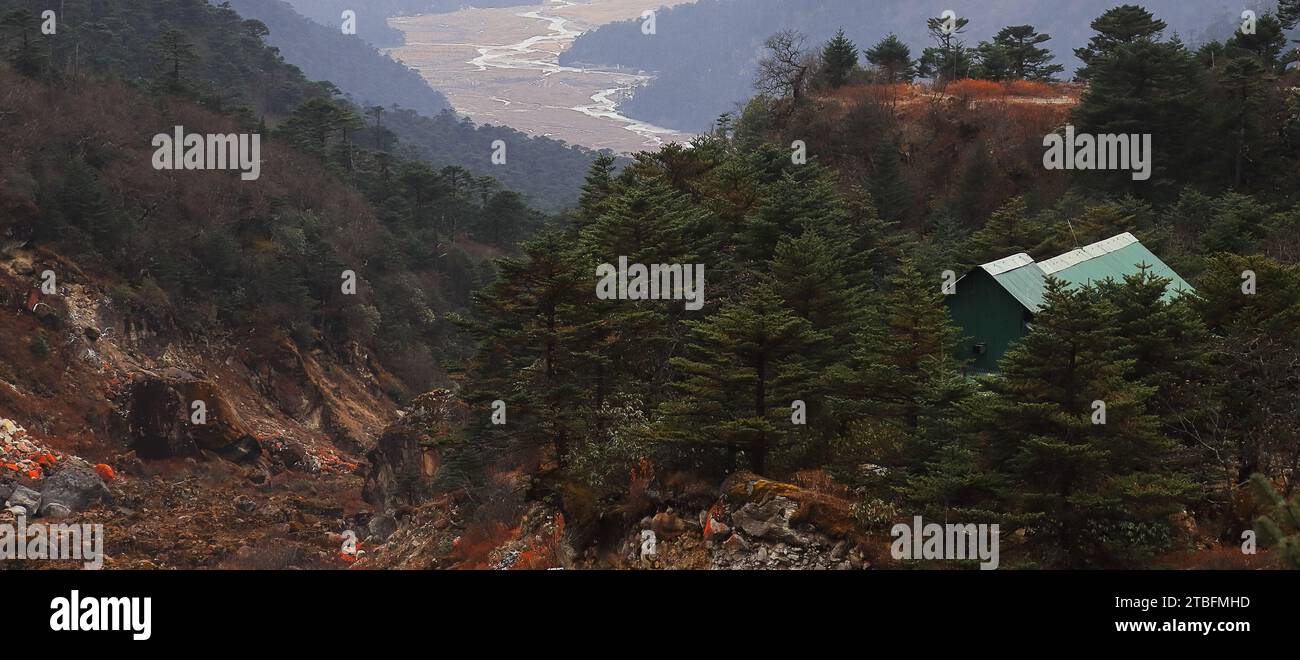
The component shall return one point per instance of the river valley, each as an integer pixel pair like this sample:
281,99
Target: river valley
500,66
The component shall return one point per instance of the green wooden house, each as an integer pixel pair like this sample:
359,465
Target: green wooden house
995,302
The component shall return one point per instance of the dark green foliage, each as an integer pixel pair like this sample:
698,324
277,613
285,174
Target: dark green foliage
839,60
1281,525
743,369
892,60
236,259
20,31
1010,230
1015,54
1248,423
950,58
1139,84
1100,493
39,346
902,369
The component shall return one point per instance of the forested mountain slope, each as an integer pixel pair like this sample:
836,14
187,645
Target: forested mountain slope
705,53
294,301
204,252
818,396
418,115
325,53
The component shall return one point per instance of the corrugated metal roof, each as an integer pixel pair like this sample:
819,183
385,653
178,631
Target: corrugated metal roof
1007,263
1079,255
1112,258
1025,284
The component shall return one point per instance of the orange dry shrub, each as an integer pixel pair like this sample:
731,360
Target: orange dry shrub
975,89
820,481
543,555
471,549
1030,88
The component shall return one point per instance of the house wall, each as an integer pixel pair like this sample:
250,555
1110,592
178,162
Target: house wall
985,313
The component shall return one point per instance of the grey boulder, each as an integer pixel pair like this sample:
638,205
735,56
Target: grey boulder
24,497
76,486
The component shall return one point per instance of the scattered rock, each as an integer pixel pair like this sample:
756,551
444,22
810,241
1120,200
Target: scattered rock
840,550
129,463
667,525
92,333
24,497
75,485
769,520
45,312
735,544
382,526
713,529
56,511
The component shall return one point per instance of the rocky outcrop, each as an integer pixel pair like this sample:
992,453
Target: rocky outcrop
408,455
754,524
161,417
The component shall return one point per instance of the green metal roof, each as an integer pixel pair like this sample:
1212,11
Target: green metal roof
1112,258
1023,279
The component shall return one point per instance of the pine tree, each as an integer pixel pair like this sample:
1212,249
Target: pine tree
839,60
742,371
1010,230
1281,525
1162,333
903,368
175,54
950,59
1247,421
597,187
1116,29
888,187
21,30
1170,348
648,222
892,60
810,275
993,62
1138,84
315,124
1099,493
1265,44
1288,13
1019,45
813,275
803,198
537,318
1243,94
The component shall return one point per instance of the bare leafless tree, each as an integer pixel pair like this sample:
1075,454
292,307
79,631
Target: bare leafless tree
787,68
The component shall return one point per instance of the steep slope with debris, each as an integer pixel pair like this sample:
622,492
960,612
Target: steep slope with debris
99,427
670,521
